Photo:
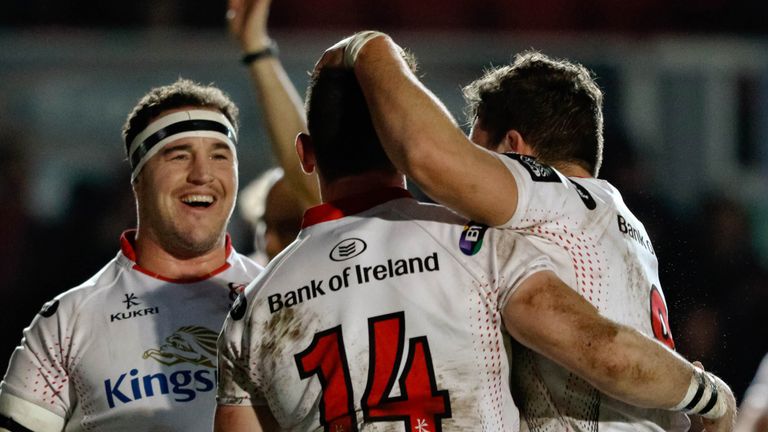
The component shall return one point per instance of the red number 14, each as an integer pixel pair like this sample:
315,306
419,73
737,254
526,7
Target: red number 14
420,404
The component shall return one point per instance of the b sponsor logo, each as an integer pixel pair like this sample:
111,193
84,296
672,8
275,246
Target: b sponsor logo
348,249
49,309
471,239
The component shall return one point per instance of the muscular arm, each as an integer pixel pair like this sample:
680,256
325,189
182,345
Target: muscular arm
243,419
424,141
281,105
553,320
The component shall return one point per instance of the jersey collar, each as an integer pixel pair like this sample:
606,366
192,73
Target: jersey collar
128,240
351,205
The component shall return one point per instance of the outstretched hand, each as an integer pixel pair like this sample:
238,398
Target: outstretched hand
247,20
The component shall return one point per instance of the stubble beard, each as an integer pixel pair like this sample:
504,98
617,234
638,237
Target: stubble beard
188,244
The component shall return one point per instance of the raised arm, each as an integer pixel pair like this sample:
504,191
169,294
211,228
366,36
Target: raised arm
550,318
282,107
420,135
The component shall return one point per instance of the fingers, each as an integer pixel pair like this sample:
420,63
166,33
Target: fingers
332,57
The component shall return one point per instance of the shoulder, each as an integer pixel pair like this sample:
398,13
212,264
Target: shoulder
245,265
532,169
75,299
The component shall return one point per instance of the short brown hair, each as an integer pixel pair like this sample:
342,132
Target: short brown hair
339,122
554,104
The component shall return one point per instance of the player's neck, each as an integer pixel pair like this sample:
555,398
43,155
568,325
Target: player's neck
358,184
156,259
572,170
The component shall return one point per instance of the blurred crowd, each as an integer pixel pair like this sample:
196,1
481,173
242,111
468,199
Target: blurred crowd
636,16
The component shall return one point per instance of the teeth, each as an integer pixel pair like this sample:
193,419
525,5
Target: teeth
189,199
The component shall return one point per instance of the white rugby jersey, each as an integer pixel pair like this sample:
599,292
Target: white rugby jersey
383,315
125,351
602,251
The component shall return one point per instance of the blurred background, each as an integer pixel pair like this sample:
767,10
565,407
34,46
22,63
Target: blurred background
686,112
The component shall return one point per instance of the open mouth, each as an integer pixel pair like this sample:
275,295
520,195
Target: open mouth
198,201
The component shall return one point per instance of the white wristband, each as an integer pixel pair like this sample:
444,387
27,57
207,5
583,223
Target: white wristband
705,396
693,387
356,43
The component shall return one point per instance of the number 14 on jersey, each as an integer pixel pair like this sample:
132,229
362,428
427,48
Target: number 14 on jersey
420,404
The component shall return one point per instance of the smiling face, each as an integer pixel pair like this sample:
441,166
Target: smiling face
185,195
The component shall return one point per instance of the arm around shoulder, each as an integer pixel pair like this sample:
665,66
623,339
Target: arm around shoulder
549,317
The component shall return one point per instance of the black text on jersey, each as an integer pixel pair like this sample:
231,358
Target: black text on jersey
357,275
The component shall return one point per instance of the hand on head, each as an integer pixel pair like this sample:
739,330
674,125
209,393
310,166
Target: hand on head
344,52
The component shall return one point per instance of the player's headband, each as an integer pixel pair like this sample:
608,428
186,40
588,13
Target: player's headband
193,123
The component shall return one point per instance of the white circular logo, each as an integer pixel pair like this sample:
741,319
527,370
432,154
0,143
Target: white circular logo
348,248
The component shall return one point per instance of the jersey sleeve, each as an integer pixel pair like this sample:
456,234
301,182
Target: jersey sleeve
35,391
237,385
539,186
517,259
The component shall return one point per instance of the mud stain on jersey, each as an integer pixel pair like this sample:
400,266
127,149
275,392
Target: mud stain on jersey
282,330
637,288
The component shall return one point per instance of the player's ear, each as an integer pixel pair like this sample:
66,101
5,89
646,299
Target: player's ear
514,142
305,148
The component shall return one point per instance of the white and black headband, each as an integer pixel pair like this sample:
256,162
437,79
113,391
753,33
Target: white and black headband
182,124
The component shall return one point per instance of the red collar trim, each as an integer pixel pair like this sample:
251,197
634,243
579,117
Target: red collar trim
128,240
351,205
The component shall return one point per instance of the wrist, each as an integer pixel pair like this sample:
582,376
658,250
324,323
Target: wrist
706,396
267,50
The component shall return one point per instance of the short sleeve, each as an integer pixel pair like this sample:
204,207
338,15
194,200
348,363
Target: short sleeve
517,259
529,173
35,391
238,382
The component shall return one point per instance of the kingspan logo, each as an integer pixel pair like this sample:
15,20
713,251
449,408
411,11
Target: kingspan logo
194,345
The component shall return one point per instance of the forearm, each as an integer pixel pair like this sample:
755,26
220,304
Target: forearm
633,368
550,318
284,118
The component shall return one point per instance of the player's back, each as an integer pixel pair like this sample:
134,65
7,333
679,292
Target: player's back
384,320
602,251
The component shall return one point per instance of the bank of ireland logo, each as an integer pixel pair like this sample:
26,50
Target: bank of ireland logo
471,239
188,344
347,249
